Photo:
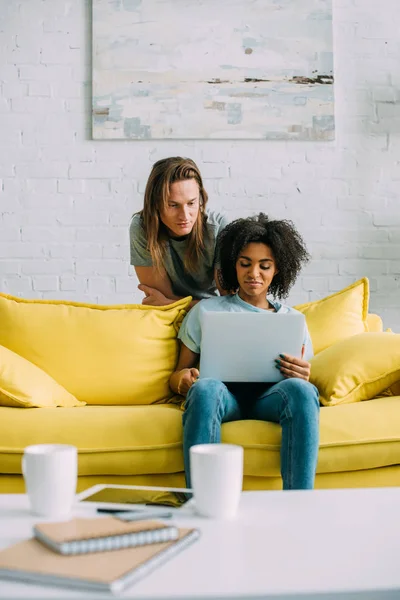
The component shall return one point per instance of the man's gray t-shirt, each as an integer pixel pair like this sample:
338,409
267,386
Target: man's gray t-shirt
200,284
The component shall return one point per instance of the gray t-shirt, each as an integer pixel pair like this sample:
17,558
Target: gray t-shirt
200,284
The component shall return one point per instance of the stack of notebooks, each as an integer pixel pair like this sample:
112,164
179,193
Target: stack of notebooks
93,554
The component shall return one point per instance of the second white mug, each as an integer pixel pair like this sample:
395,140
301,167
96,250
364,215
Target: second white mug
50,472
216,472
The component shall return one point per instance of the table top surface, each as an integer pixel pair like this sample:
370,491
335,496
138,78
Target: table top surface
281,543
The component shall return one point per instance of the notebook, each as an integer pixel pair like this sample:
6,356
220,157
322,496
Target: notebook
79,536
113,571
243,346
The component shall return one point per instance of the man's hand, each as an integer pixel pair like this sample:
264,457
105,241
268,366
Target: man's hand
153,297
290,366
187,377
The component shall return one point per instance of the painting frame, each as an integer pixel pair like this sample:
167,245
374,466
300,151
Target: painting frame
236,69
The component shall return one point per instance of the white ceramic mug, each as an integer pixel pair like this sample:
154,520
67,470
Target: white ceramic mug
216,472
50,472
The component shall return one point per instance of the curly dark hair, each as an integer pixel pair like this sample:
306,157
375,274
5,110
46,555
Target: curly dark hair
287,245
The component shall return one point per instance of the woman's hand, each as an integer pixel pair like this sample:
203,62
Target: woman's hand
290,366
153,297
185,373
186,379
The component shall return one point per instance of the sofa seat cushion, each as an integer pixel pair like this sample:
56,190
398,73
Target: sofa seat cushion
352,437
137,440
111,440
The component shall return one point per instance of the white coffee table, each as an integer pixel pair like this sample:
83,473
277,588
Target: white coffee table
322,544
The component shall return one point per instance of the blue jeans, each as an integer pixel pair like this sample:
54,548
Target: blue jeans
293,403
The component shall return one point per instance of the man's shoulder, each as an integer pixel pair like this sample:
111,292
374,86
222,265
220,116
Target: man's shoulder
136,222
136,230
216,221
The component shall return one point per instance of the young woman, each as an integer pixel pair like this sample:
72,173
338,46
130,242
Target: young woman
257,257
173,238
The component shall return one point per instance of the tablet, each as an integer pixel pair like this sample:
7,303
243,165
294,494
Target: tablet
243,346
134,497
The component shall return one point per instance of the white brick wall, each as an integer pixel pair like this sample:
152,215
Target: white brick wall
65,201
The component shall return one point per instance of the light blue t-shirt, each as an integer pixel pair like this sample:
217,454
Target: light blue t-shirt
190,331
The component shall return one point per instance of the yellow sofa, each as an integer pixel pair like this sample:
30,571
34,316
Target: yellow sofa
117,361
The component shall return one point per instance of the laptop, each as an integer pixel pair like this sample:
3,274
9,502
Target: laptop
243,346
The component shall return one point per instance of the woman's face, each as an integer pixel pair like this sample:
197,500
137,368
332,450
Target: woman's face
255,269
180,213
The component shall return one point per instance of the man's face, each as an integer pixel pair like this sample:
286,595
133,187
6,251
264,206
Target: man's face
180,212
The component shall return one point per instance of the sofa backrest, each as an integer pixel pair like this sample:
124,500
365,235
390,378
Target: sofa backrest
121,354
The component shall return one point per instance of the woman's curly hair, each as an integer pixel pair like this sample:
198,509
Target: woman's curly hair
287,245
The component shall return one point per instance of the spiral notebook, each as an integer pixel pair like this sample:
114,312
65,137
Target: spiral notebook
80,536
32,562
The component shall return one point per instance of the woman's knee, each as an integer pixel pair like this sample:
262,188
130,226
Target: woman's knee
205,396
302,395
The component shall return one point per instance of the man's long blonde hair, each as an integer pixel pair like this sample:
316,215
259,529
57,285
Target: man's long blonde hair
164,173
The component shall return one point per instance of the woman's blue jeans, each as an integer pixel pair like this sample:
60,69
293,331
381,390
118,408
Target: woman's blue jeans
293,403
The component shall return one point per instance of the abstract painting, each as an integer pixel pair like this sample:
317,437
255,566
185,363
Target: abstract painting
213,69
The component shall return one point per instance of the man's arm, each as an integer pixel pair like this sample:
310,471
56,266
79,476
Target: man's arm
156,285
158,280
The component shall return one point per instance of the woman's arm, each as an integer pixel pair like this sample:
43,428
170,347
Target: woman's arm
185,373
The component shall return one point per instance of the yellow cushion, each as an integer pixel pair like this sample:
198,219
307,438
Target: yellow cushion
121,354
356,369
142,440
338,316
23,384
352,437
111,440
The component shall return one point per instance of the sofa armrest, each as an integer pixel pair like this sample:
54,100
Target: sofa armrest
374,323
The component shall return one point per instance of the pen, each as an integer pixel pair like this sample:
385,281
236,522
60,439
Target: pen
136,515
114,510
